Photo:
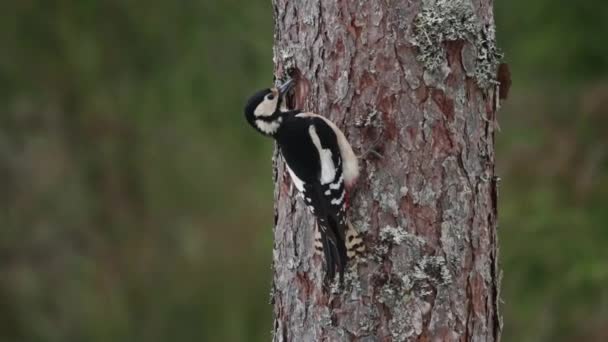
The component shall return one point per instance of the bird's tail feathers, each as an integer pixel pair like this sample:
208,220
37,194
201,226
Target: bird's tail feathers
337,250
330,257
333,249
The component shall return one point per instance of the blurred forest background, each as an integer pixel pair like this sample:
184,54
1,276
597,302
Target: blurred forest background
136,204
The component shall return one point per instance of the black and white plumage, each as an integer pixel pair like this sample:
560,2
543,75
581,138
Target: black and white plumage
322,166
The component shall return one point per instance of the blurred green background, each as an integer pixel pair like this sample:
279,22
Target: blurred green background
137,205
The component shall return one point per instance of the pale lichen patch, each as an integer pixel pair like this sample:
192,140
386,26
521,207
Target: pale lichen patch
286,56
325,316
400,242
362,226
442,21
388,294
335,287
395,235
434,270
407,282
408,318
380,251
488,57
352,280
388,203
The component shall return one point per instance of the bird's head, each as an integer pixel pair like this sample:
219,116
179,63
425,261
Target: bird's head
263,108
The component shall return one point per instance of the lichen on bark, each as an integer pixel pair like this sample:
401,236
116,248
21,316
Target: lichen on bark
442,21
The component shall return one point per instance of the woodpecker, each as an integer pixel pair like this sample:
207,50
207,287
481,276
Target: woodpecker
322,166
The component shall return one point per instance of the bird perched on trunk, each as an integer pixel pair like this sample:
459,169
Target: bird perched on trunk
322,166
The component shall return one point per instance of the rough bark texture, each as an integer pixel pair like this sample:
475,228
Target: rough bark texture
413,85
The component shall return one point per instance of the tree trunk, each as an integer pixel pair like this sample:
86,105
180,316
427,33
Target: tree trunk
412,83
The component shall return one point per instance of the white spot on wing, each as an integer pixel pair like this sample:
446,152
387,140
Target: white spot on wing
328,170
338,201
336,185
350,165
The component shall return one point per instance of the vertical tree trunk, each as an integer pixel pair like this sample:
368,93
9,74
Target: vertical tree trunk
413,85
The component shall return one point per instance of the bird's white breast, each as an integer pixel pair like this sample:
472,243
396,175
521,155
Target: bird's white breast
268,127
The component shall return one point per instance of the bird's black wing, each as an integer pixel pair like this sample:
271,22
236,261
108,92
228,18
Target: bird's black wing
327,202
324,199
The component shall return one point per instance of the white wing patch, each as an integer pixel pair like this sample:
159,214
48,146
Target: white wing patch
350,164
299,184
328,169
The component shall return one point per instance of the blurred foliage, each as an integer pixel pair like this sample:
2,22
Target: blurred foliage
553,159
137,206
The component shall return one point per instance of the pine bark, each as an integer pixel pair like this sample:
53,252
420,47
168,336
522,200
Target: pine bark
412,84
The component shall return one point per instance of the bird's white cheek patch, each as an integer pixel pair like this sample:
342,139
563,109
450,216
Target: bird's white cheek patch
266,107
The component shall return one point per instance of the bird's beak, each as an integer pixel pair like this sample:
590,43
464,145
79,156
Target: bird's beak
285,87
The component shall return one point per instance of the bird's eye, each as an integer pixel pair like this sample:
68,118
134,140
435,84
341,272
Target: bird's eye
270,97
